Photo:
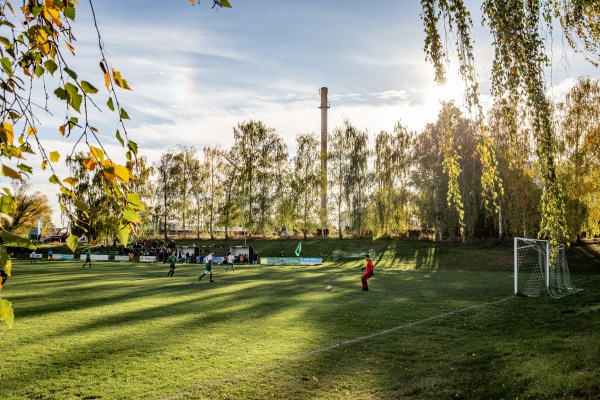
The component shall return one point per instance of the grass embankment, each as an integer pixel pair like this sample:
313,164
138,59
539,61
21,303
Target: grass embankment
439,322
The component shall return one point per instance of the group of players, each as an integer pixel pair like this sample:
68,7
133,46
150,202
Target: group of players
208,261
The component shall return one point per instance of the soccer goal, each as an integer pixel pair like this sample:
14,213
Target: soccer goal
535,272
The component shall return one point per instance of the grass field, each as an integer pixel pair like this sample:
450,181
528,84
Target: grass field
440,322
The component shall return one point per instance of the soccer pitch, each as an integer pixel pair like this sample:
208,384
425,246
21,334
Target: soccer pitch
425,330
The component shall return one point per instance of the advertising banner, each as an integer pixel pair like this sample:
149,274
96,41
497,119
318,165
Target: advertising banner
311,261
291,260
121,258
280,260
148,259
95,257
64,257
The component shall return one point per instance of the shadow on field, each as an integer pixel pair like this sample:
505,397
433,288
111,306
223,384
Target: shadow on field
272,331
584,257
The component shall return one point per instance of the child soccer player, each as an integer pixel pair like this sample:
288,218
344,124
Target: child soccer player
230,259
88,259
368,273
172,260
208,260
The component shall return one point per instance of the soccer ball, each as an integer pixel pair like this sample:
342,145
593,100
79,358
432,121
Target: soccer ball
329,287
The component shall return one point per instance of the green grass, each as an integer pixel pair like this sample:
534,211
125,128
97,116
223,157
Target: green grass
439,322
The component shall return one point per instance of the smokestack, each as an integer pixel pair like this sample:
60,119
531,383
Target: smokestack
324,106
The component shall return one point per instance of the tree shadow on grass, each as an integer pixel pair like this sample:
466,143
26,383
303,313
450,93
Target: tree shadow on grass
273,320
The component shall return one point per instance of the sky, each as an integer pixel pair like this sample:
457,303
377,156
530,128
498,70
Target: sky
196,73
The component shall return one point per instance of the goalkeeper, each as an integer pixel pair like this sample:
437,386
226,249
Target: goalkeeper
368,273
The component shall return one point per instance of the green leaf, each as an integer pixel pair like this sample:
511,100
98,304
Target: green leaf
6,66
73,122
70,13
6,217
6,313
81,205
66,191
50,66
39,71
75,102
71,89
123,235
61,93
88,88
110,104
130,215
8,205
119,138
134,201
5,261
225,3
25,168
10,239
132,146
72,242
71,73
53,179
124,114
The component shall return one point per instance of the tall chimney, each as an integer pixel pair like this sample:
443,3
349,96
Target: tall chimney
324,107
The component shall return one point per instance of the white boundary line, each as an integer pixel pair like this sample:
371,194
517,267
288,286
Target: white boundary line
399,327
328,348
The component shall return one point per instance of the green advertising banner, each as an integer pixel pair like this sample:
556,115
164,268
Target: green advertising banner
290,261
280,260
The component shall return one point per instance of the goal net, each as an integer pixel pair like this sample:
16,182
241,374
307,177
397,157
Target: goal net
338,254
535,272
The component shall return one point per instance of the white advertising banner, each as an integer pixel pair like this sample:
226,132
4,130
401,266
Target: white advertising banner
96,257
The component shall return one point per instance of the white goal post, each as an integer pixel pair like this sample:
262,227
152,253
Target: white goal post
535,272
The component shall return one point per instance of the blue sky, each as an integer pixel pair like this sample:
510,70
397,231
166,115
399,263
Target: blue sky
196,72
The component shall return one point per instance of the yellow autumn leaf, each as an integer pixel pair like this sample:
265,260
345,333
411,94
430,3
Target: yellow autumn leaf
42,36
71,181
108,175
122,173
71,48
107,80
89,164
10,173
54,15
54,156
6,132
31,131
97,153
61,129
